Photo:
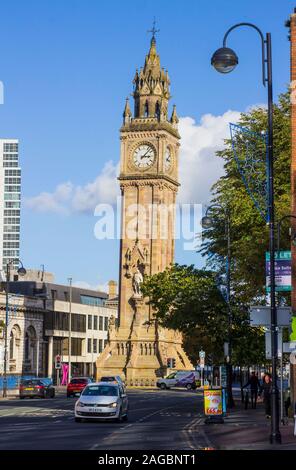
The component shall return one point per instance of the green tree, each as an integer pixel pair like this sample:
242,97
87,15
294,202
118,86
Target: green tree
249,232
188,299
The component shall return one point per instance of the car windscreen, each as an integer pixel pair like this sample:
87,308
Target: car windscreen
78,381
100,391
108,379
26,383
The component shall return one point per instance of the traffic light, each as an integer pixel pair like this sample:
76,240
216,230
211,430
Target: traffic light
58,362
173,363
168,362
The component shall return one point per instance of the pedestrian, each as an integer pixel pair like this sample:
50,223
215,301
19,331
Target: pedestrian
266,390
254,385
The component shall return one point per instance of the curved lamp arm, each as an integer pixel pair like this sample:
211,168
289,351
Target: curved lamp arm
251,25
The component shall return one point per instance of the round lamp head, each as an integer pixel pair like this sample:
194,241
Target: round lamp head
206,222
224,60
21,271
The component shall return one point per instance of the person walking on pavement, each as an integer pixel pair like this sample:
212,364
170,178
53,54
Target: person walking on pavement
266,390
254,385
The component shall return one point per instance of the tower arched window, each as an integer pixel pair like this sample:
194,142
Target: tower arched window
146,109
157,110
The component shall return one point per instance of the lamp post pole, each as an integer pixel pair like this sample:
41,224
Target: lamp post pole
22,272
225,60
70,327
207,222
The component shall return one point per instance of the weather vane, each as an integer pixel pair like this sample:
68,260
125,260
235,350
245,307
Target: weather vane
153,30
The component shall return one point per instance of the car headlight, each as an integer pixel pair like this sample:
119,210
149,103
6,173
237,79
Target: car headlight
113,405
79,403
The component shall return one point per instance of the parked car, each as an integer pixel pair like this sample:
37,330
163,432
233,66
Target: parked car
36,388
102,400
186,379
76,385
113,379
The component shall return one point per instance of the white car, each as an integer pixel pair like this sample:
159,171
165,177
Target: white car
185,379
102,400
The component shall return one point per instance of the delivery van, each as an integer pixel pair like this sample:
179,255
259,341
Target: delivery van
183,379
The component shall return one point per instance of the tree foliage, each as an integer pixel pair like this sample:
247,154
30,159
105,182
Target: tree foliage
249,232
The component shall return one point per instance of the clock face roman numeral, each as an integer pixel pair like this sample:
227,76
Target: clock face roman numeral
167,159
144,156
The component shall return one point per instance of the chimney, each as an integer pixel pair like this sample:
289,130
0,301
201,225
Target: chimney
112,289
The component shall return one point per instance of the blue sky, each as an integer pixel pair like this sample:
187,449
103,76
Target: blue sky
67,66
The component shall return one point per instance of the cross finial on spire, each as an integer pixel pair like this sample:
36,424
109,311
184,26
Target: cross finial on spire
153,30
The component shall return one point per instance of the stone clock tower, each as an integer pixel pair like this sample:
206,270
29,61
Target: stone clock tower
138,348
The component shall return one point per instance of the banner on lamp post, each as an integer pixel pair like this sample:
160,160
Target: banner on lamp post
282,271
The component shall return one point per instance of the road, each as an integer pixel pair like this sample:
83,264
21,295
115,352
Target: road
160,420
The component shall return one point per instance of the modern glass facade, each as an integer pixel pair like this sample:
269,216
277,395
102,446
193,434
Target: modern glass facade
10,202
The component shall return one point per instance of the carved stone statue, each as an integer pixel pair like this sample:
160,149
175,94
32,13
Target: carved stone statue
137,281
112,323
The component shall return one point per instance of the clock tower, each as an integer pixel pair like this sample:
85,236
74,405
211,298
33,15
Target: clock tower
138,348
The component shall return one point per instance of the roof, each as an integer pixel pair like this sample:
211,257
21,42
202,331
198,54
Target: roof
48,290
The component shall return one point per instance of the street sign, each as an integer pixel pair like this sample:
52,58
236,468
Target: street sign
202,356
289,347
282,271
261,316
268,344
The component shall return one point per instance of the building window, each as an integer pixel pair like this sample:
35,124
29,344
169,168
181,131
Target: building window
100,345
95,322
11,346
101,323
89,300
10,147
89,345
106,323
95,343
27,346
76,346
89,322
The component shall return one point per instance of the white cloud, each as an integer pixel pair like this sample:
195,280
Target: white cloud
199,166
68,198
86,285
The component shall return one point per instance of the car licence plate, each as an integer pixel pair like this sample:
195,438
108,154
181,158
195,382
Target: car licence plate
29,388
96,410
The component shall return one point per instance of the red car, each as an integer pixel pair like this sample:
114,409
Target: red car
76,385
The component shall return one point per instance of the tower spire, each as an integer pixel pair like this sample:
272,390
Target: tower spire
153,31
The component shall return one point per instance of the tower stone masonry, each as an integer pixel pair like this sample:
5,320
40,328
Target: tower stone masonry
138,347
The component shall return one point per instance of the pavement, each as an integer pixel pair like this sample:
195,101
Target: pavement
249,430
158,420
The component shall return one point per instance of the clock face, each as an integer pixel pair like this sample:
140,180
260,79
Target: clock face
167,159
144,156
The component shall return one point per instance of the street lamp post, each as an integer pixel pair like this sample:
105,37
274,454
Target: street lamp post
70,328
207,222
21,271
225,60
